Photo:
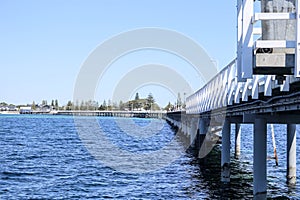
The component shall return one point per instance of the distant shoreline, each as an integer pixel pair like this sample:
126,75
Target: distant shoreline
140,114
9,112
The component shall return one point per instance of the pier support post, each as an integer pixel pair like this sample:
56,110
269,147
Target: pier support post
291,154
237,140
185,126
225,160
202,131
203,127
260,159
193,132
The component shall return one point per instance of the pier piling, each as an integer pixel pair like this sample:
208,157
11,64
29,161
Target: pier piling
203,128
260,158
193,132
237,140
291,154
225,160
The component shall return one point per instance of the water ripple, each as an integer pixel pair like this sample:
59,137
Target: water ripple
42,157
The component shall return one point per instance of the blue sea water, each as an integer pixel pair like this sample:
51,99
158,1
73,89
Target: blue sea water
43,157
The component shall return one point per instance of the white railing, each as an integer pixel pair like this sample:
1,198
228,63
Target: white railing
225,89
236,82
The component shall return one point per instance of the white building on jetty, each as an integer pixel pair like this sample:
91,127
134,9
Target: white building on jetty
25,110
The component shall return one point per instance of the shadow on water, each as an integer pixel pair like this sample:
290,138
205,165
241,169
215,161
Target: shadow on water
209,174
240,186
241,177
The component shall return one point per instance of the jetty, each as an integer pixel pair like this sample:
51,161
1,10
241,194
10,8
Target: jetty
138,114
261,86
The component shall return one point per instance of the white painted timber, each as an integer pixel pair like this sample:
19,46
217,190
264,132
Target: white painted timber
297,50
225,89
285,87
274,44
257,31
270,16
239,37
247,41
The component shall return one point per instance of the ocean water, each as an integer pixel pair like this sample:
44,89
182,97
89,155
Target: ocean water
44,157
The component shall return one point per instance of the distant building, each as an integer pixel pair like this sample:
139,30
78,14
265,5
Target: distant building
43,108
8,108
12,108
46,108
25,110
3,108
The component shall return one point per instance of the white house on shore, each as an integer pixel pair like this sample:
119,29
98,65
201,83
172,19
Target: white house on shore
8,108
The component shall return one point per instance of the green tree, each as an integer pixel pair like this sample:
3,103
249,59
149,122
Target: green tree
104,105
121,105
149,101
44,102
179,101
95,105
33,106
82,105
69,105
137,97
114,106
3,104
136,102
109,105
101,107
169,107
56,104
92,105
131,105
89,105
155,106
76,106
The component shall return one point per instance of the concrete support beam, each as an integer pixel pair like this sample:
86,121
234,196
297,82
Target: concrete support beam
291,154
225,160
260,159
237,140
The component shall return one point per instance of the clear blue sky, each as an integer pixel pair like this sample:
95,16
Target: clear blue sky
44,43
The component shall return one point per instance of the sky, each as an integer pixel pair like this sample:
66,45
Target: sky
44,44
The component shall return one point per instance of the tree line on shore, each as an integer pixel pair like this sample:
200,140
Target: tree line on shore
137,103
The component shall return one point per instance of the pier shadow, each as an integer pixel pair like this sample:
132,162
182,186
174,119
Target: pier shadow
240,186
